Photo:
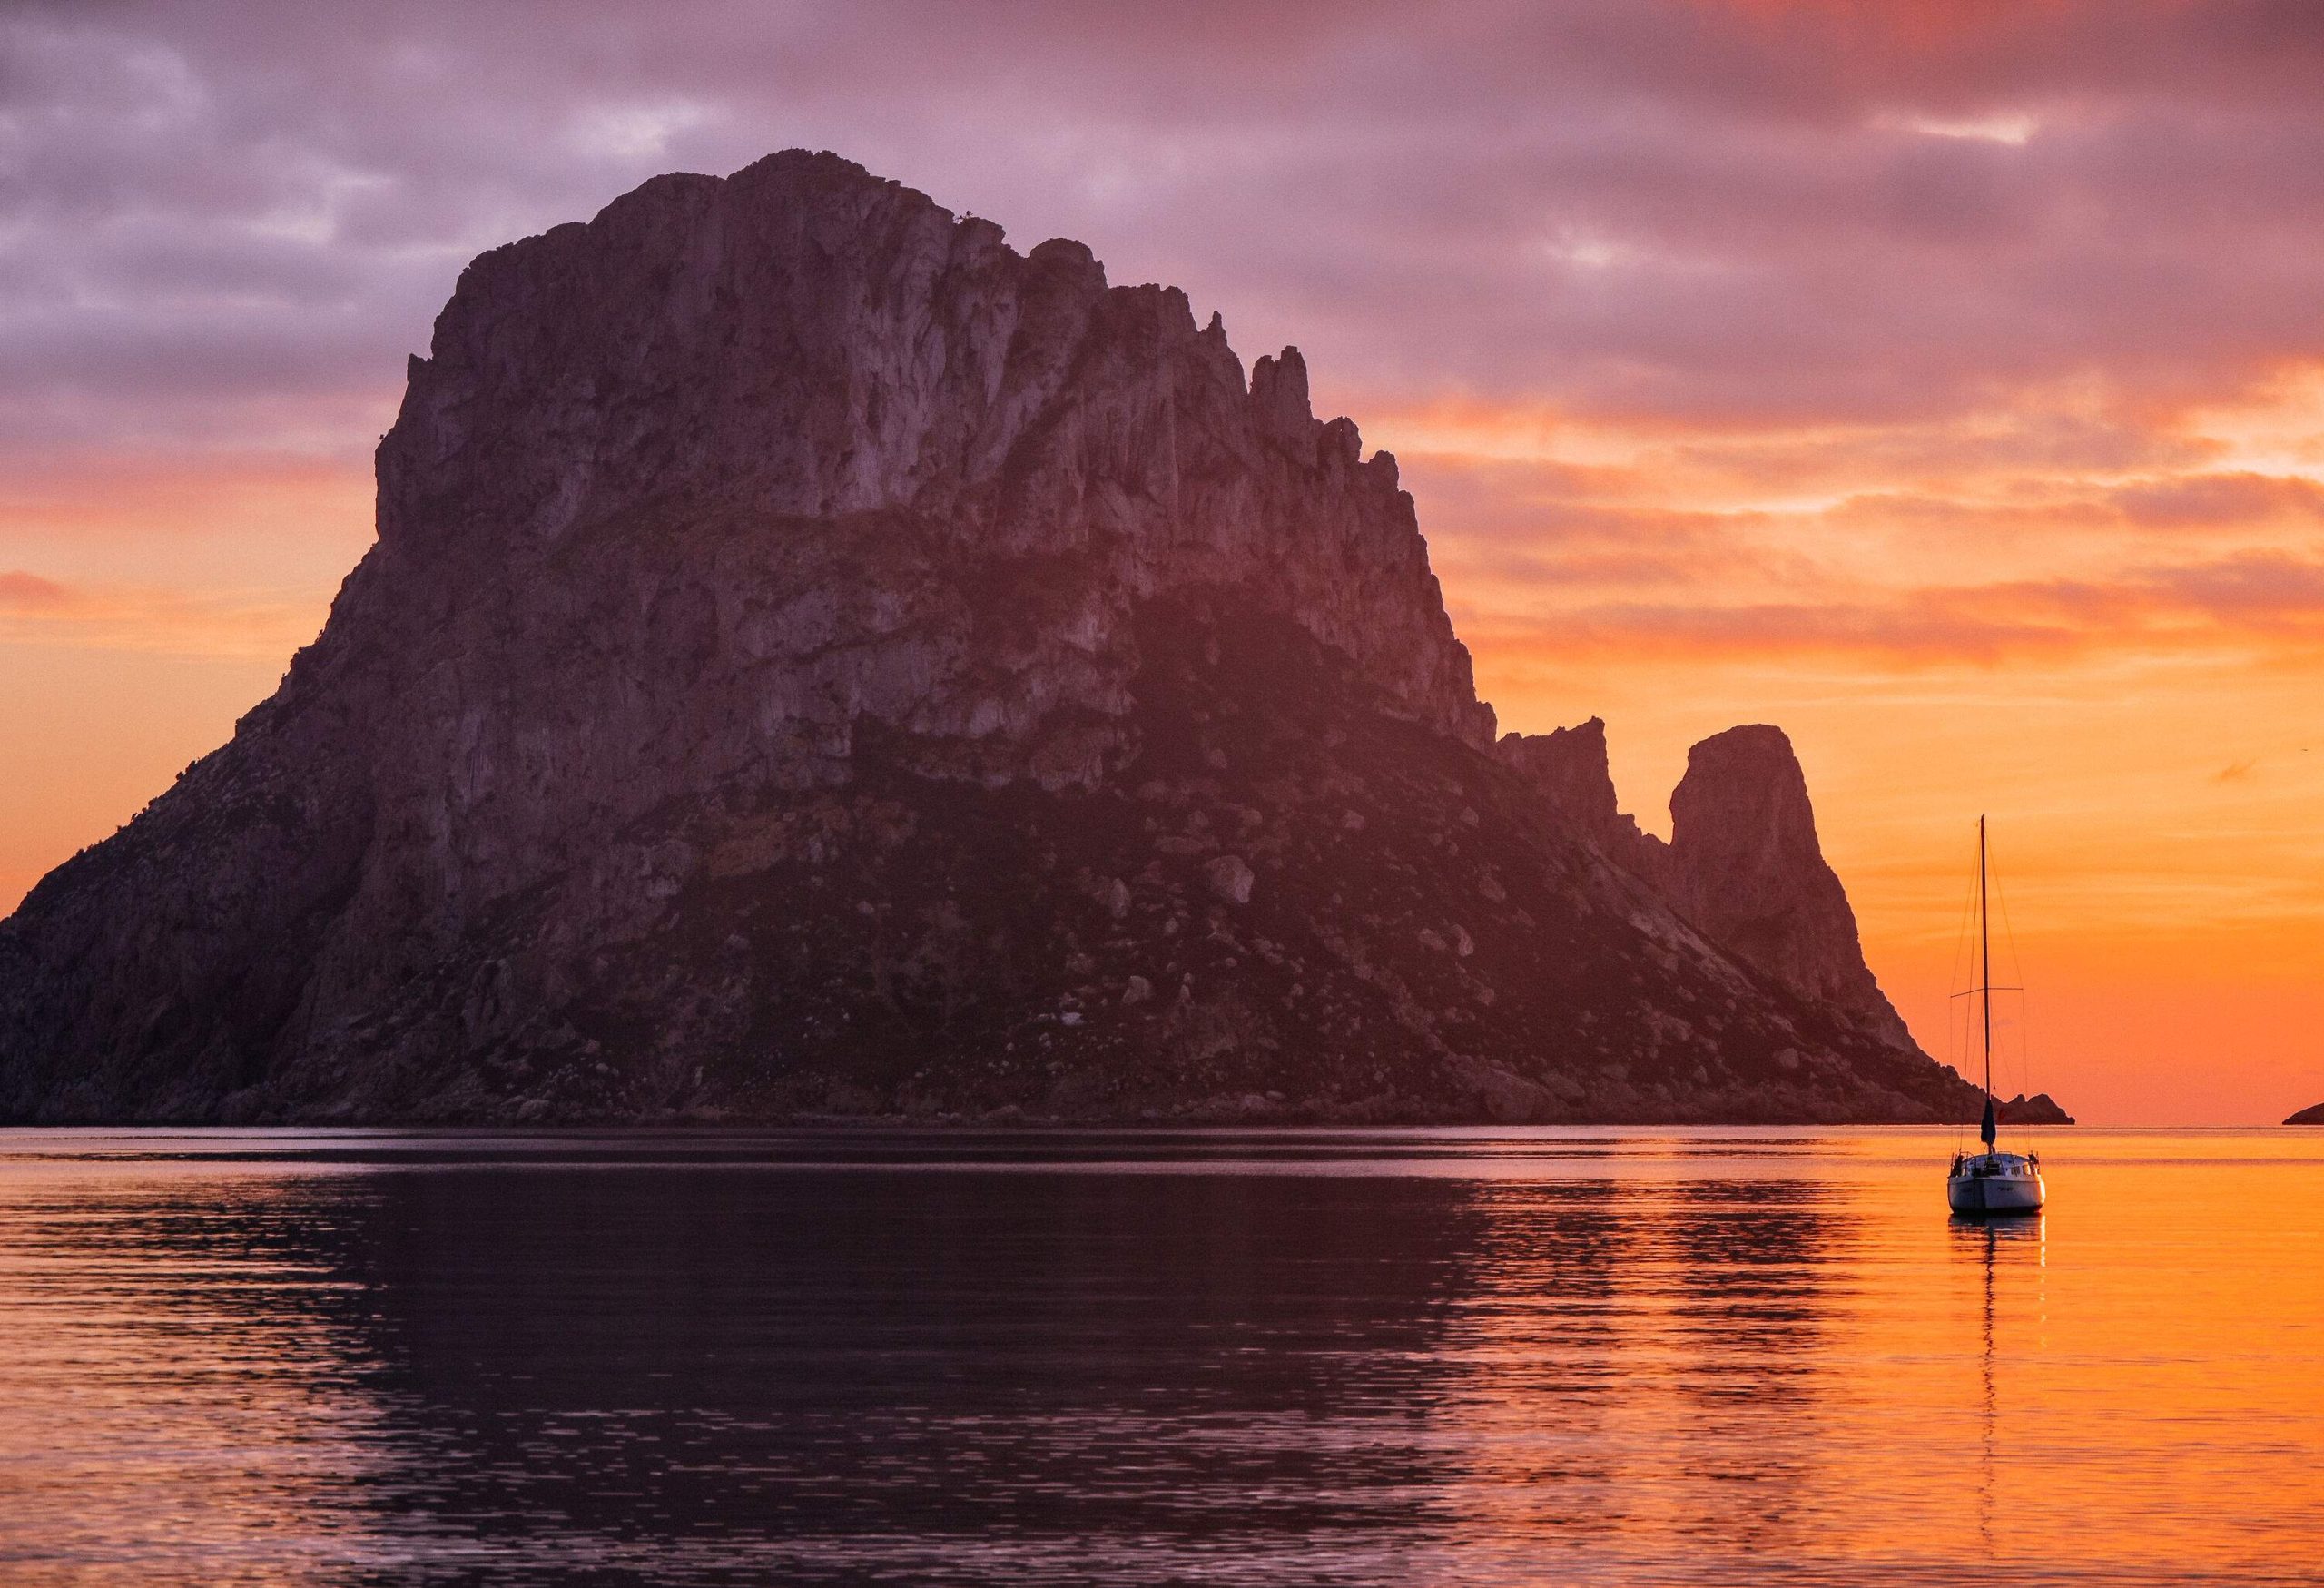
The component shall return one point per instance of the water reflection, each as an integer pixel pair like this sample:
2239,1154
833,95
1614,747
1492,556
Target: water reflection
178,1402
1640,1361
1993,1244
821,1371
1452,1357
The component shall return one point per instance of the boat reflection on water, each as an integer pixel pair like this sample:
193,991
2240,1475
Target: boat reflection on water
2017,1247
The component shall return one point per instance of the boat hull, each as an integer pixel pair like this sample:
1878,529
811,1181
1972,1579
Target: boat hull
1993,1195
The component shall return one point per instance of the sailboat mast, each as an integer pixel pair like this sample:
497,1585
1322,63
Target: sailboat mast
1993,1181
1984,957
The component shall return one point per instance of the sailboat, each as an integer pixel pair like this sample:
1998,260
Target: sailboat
1991,1183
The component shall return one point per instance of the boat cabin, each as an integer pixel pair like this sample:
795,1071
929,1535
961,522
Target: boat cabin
2011,1166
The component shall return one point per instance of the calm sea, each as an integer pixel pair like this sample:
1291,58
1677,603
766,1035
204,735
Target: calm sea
1441,1356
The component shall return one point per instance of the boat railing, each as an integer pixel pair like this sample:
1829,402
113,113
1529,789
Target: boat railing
1995,1166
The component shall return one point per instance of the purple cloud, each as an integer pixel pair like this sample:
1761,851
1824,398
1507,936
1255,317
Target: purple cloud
1718,213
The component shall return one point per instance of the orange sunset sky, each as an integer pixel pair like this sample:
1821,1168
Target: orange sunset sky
1945,383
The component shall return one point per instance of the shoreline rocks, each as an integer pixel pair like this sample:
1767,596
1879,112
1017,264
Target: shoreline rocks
2038,1110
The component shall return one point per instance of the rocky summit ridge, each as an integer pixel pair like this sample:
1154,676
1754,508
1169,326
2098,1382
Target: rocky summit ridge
816,660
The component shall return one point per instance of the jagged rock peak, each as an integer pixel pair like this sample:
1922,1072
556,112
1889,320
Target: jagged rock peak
1743,794
1745,866
804,340
1279,396
1570,766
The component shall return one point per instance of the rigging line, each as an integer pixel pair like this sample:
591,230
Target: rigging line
2001,903
1956,1031
2024,1000
1985,967
1956,1037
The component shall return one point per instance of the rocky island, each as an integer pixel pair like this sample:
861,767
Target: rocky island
818,661
2040,1109
2313,1116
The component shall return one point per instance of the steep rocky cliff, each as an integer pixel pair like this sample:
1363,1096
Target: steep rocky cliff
1743,866
818,659
1570,768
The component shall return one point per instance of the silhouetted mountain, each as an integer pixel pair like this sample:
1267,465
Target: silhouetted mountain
817,659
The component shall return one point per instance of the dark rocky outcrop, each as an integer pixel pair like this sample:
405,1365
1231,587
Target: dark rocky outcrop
2314,1116
1570,768
816,659
1743,866
2040,1109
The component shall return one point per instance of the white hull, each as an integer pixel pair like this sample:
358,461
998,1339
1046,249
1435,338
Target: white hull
1980,1196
